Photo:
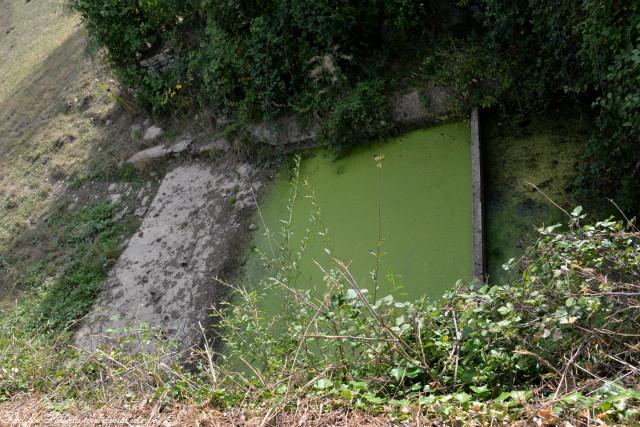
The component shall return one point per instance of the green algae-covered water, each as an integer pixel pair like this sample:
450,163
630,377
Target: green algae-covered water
418,202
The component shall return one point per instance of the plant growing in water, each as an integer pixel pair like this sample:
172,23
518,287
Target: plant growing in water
546,338
560,342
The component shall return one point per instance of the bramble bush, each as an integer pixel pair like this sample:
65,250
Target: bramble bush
563,334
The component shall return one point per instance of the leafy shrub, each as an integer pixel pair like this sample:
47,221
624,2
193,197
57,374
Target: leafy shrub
252,60
357,117
136,31
565,328
613,155
574,306
588,50
479,75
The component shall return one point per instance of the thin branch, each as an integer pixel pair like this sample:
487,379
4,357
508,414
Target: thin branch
548,198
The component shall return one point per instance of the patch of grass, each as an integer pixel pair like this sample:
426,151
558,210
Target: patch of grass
128,173
64,136
62,122
58,267
61,284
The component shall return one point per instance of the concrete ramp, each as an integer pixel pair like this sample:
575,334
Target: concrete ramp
193,232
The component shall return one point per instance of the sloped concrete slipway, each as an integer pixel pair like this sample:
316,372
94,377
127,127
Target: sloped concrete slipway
166,277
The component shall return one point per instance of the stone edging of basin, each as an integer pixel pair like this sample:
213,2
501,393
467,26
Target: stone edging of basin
408,109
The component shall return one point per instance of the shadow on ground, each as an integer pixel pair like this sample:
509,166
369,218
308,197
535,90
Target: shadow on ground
41,96
62,141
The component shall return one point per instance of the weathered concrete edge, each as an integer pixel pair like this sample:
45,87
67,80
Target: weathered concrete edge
476,180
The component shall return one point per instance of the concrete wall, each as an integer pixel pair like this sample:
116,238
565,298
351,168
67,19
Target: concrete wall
478,220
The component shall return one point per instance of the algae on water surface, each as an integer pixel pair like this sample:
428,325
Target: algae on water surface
419,202
545,152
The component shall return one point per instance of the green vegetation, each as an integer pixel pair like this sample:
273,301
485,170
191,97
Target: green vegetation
57,285
587,50
564,328
253,58
558,343
554,338
60,286
334,61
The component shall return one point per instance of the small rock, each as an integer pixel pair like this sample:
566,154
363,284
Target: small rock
160,152
140,211
284,131
122,213
409,108
115,198
153,133
145,201
180,146
253,227
159,61
113,187
149,154
10,29
219,145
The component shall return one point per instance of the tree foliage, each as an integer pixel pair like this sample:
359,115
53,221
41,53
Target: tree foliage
255,59
260,57
589,50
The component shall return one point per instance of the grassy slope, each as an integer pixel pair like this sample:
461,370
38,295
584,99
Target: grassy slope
63,138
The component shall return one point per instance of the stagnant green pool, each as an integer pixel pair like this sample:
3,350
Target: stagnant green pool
418,202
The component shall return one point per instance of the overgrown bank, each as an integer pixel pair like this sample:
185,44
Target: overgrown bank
335,62
558,344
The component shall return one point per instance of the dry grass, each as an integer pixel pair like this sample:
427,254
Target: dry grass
45,71
58,122
43,63
35,411
38,411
